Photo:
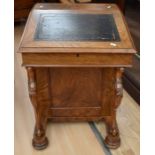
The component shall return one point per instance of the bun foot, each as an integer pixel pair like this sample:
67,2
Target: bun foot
40,145
112,142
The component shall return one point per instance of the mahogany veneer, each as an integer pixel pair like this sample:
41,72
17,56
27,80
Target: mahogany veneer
74,56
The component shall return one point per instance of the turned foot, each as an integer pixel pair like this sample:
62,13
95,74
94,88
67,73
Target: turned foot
39,141
40,144
112,141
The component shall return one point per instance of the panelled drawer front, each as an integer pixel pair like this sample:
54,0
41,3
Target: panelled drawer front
69,59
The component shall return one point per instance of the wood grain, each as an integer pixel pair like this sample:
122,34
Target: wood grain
71,87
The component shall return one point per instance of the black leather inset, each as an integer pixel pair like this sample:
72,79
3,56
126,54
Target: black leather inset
76,27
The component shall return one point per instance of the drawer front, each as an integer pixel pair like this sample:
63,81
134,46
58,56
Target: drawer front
63,59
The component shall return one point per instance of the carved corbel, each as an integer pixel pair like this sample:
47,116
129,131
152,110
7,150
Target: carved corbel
32,85
119,86
31,80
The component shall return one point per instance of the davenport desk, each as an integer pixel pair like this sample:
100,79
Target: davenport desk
74,56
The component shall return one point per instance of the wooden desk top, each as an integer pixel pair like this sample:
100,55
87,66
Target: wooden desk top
82,28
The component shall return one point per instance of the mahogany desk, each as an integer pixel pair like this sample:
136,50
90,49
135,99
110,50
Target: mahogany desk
74,56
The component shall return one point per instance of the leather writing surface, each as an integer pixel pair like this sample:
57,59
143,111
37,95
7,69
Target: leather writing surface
76,27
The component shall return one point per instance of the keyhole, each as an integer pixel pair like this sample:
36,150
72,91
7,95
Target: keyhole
77,55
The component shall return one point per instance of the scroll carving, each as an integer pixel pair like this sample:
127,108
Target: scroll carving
119,86
31,81
32,85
